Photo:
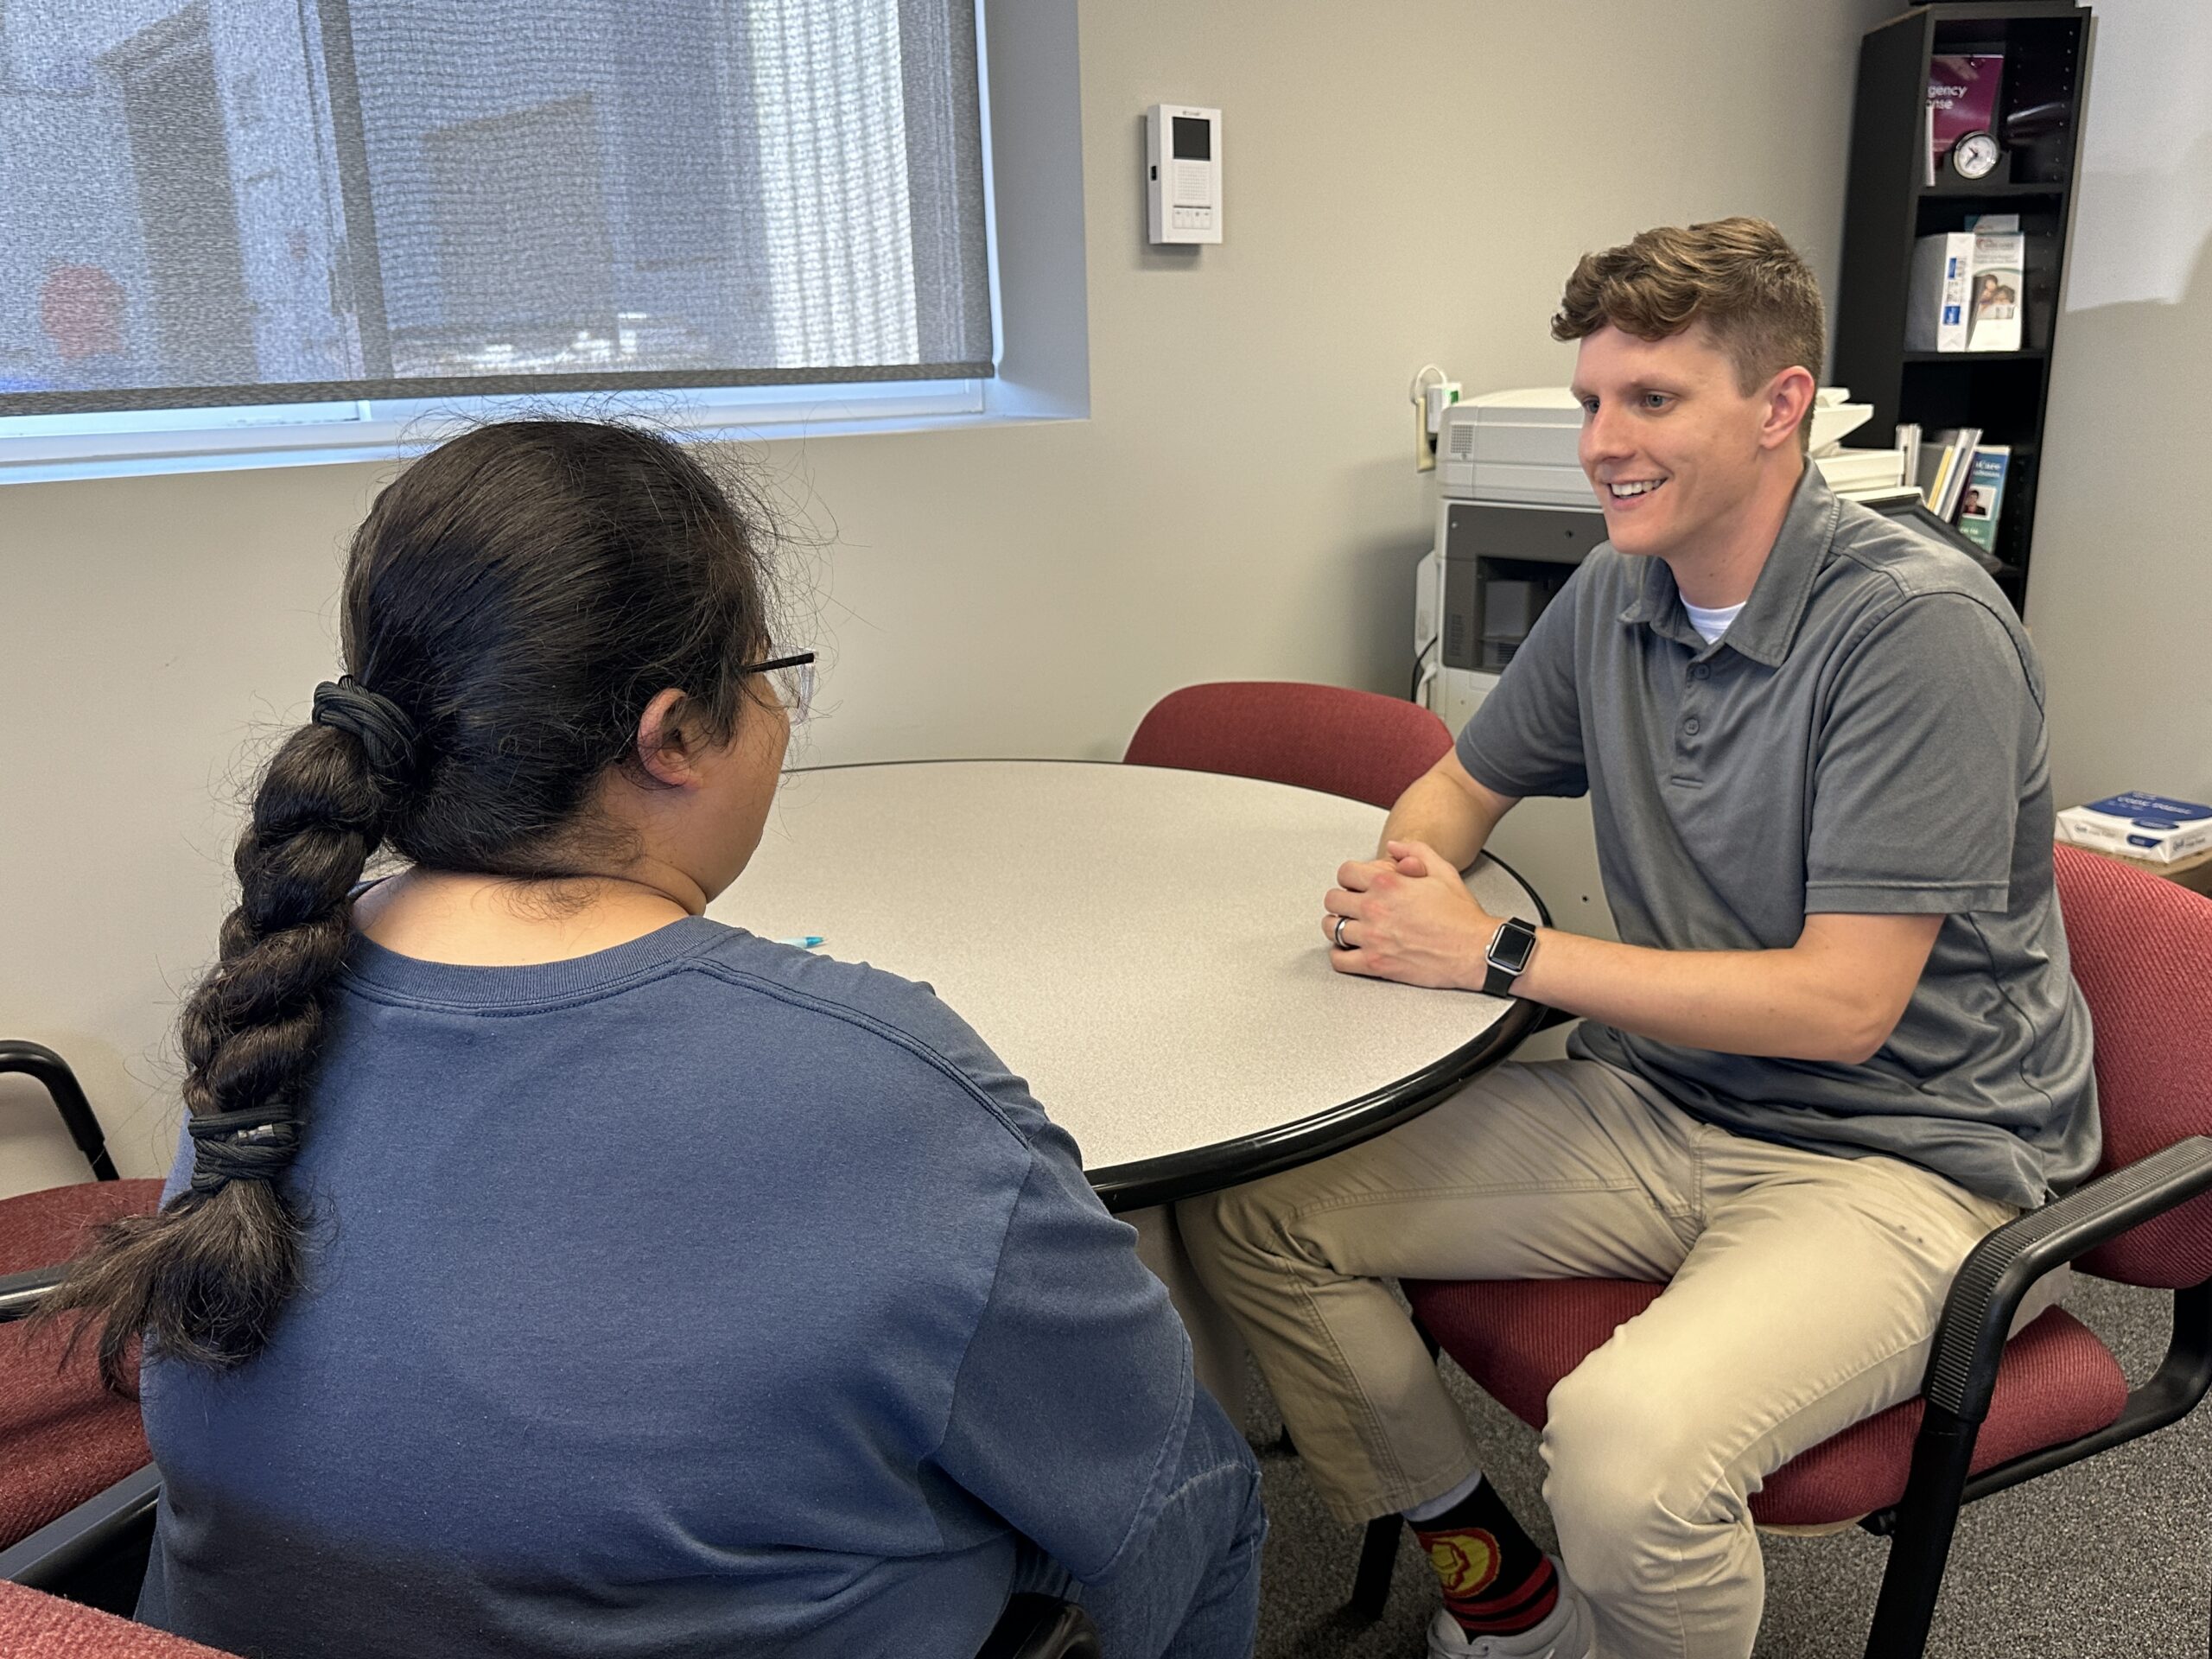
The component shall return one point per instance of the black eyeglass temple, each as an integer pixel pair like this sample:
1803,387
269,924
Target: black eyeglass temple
797,659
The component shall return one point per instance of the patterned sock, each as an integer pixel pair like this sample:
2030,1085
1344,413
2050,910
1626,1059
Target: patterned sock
1496,1580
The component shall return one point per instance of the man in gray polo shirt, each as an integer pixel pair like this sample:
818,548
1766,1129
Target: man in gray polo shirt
1835,1046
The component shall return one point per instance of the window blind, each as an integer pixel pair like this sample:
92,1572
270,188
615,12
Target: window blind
270,202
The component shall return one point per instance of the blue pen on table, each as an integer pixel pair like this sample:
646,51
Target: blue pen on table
804,941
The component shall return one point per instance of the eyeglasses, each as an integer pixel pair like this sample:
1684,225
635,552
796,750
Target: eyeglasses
794,681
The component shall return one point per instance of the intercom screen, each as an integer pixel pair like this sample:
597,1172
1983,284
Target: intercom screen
1193,139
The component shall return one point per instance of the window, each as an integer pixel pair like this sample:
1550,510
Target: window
299,224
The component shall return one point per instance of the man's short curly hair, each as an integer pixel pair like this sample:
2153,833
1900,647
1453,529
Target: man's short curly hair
1739,276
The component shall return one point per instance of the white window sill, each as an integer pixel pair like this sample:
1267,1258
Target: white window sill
37,448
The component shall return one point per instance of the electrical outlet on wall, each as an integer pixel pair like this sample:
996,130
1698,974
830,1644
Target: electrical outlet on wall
1430,394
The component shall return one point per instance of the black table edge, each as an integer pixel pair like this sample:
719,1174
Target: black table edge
1231,1163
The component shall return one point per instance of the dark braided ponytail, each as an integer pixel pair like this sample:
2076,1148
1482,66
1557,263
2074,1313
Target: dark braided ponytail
205,1278
511,603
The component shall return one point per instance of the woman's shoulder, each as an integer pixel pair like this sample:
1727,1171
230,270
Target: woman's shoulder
870,1020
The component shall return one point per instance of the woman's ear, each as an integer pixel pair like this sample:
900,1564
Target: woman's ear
665,747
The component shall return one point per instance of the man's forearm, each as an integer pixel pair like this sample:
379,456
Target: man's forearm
1834,995
1452,818
1794,1004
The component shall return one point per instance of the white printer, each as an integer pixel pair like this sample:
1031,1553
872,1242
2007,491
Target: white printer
1513,445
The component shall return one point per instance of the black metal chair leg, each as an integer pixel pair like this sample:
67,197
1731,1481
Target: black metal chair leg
1926,1519
1378,1554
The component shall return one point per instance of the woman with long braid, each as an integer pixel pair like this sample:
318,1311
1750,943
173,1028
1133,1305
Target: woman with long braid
549,1270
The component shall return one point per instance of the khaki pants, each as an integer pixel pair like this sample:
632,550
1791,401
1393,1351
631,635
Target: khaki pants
1804,1290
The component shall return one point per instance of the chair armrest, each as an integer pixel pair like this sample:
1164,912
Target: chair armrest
52,1072
110,1522
22,1291
1041,1627
1999,1271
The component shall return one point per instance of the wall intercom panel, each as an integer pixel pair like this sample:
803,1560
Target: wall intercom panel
1182,173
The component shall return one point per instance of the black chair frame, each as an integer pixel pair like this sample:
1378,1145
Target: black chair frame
96,1553
20,1291
1042,1627
1969,1345
49,1068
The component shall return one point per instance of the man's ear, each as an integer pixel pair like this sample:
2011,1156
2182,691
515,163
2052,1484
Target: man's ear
1788,404
665,745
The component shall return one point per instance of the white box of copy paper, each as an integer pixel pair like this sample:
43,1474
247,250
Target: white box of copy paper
1936,310
2136,825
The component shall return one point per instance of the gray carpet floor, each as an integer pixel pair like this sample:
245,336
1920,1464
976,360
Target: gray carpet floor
2111,1558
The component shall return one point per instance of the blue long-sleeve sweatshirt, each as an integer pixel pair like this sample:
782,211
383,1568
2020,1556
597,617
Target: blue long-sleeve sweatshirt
697,1296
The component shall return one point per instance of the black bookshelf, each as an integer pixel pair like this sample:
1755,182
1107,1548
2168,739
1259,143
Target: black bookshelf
2042,104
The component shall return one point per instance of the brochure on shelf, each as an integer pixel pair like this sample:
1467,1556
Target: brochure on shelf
1935,305
1942,474
1964,442
1996,281
1985,495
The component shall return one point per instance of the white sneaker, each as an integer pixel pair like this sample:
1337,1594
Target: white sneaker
1568,1634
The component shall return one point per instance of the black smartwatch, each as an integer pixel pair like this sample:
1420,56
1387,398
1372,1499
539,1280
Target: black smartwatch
1511,948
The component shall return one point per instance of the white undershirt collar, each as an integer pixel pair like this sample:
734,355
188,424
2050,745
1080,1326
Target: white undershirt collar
1711,625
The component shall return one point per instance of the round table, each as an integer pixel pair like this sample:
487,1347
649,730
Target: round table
1144,946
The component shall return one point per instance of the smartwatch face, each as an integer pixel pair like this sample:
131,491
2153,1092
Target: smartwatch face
1515,944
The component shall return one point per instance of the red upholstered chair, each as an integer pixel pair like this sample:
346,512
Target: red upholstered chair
1991,1414
32,1622
62,1438
1359,744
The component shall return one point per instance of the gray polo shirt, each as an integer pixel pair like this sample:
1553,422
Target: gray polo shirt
1867,736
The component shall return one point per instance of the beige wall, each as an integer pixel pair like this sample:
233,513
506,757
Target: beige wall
1406,182
2120,600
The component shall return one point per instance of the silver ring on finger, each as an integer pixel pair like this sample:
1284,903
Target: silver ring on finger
1338,933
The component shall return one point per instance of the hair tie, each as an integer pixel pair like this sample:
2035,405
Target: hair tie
257,1144
388,737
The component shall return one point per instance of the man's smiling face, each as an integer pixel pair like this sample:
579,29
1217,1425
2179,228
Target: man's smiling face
1670,441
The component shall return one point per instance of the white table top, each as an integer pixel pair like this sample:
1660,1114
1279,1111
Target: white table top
1143,945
